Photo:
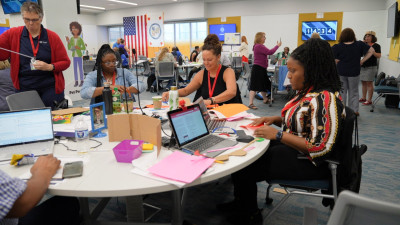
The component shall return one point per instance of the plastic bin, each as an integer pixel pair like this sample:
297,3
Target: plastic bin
128,150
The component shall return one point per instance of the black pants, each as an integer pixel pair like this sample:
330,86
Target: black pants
192,72
279,162
56,210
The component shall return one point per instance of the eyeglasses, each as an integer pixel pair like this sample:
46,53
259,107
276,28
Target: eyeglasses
115,63
27,20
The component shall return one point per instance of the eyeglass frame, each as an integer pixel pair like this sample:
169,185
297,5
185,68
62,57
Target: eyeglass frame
27,20
115,63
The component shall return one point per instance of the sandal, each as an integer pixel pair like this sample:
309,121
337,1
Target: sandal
362,100
252,106
367,103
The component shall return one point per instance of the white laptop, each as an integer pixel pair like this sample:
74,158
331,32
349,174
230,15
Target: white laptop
214,124
191,132
26,132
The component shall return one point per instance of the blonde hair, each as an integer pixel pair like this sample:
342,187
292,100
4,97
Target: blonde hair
315,35
244,39
259,36
4,65
162,53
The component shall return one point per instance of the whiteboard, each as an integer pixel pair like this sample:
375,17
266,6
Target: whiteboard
232,38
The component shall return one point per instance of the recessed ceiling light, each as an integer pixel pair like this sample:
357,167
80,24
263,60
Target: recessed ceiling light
128,3
92,7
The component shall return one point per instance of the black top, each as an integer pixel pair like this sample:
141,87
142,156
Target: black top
219,88
29,78
194,57
349,56
373,61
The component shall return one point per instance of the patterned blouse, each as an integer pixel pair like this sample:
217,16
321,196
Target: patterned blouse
317,117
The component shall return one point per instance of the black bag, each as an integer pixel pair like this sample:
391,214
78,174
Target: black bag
392,101
379,78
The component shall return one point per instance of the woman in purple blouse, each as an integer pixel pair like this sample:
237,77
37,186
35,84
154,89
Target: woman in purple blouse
259,79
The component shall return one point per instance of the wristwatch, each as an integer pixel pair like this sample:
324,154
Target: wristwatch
279,136
53,67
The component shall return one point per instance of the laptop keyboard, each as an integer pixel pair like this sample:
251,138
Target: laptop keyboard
206,143
216,123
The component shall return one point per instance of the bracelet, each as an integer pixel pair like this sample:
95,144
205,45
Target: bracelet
279,136
212,101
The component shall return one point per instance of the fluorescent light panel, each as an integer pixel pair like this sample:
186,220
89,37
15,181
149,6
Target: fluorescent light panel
122,2
93,7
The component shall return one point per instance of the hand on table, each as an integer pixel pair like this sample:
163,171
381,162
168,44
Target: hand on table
266,132
120,88
165,96
264,120
45,166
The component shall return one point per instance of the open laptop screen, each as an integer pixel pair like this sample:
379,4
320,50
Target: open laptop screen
188,125
18,127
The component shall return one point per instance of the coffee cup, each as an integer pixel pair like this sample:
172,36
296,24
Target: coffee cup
157,102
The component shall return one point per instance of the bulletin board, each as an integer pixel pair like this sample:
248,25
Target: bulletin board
328,16
394,48
225,20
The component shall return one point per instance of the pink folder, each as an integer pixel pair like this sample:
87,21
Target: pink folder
181,167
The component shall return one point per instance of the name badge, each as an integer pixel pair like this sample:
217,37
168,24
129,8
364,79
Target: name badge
33,61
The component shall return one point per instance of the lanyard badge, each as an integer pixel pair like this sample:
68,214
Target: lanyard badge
34,50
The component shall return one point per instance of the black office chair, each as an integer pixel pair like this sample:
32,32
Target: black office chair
24,100
329,184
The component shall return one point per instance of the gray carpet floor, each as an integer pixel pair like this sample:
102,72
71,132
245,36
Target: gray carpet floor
379,130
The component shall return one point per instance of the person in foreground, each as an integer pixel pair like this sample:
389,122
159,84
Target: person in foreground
44,74
216,83
106,71
18,199
310,123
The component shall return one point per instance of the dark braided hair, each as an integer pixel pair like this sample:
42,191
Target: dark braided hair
320,73
104,50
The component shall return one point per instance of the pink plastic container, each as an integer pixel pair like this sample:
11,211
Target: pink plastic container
128,150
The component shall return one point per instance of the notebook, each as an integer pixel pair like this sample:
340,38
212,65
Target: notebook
191,132
223,125
26,132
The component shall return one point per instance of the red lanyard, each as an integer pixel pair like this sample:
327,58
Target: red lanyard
113,79
35,49
211,90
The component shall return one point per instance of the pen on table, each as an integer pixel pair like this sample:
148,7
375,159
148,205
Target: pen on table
219,161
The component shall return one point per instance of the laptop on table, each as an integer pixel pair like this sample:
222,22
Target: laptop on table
26,132
212,123
191,132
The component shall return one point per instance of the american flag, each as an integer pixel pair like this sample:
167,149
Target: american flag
135,34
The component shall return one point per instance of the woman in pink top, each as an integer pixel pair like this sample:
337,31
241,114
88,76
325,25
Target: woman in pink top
259,79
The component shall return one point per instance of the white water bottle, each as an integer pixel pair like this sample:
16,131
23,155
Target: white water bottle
82,136
173,98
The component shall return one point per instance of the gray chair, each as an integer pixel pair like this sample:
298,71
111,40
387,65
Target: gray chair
246,77
165,71
146,71
237,66
24,100
352,208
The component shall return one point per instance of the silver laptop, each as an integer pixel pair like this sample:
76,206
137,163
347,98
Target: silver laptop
26,132
213,124
191,132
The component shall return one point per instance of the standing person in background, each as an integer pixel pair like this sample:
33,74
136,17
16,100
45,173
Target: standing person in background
283,55
44,74
370,68
125,49
6,85
116,51
348,53
124,60
244,49
315,35
117,43
259,78
194,54
76,45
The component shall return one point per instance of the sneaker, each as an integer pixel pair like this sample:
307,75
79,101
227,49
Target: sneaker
246,218
367,103
362,100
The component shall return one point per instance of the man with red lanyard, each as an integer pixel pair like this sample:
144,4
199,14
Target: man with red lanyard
38,56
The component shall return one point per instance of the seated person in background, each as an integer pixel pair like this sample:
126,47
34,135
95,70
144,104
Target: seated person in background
216,83
6,85
315,35
116,51
19,198
106,62
197,68
164,56
176,53
283,55
310,125
224,60
194,54
124,60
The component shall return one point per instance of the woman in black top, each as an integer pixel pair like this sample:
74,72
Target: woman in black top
216,83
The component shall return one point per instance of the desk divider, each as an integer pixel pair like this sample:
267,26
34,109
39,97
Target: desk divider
134,127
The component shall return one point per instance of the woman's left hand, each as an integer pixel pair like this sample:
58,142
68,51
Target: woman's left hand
40,65
266,132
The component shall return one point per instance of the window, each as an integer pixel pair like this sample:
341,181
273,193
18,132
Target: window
114,33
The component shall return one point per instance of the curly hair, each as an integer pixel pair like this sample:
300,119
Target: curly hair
211,43
77,26
320,73
104,50
373,38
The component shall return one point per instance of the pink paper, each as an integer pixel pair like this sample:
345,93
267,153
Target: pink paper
251,128
233,118
181,167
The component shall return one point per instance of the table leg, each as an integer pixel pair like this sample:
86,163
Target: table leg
177,214
134,208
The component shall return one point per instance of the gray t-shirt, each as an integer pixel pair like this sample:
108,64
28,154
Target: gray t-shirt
6,88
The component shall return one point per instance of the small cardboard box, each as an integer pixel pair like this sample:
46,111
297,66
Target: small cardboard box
128,150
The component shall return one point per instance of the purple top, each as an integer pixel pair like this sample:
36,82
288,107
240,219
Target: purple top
261,54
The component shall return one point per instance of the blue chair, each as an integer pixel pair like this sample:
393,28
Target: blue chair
383,90
329,184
